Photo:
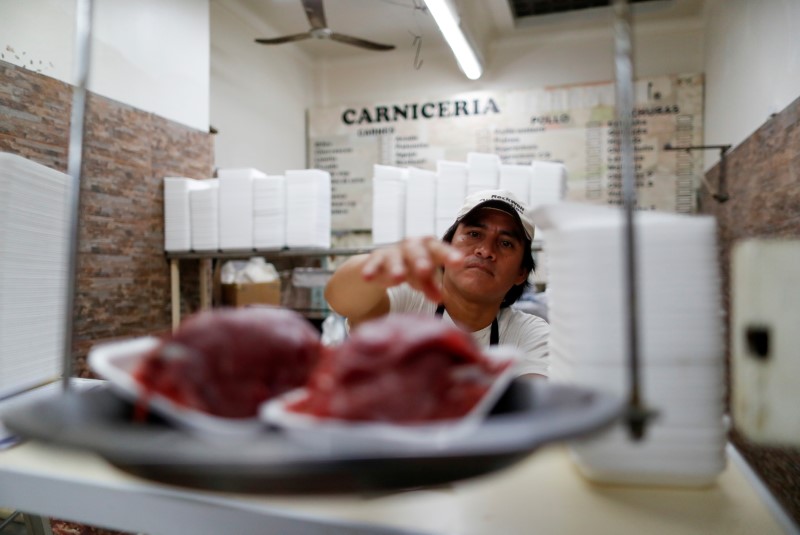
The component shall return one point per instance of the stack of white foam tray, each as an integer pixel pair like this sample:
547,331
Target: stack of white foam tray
483,171
269,212
548,183
516,179
451,188
308,208
388,203
548,186
680,337
204,210
177,213
420,203
236,207
34,249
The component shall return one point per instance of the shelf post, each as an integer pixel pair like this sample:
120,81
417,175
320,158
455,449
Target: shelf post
175,287
205,283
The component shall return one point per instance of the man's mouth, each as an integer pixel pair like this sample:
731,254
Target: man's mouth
479,265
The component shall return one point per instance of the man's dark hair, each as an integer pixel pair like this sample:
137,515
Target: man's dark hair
527,259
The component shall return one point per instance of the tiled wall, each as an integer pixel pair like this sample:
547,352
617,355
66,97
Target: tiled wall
123,277
762,175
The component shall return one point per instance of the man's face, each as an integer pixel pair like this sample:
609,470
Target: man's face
493,245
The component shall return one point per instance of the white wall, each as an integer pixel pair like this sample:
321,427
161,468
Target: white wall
39,35
752,66
528,61
150,54
259,94
154,55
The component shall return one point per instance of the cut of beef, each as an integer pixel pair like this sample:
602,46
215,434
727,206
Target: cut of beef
403,369
226,362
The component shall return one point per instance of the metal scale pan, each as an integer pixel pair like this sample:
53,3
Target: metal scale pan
530,413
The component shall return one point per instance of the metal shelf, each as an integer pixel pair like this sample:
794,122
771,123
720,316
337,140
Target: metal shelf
285,252
274,253
206,259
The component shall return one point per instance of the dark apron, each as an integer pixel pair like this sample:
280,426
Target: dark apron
494,337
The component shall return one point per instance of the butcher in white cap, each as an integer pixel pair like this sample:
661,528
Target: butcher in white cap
469,277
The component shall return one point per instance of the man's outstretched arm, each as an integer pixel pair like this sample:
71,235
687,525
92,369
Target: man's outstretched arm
357,290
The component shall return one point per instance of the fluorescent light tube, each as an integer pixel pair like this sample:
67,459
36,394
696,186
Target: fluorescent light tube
450,27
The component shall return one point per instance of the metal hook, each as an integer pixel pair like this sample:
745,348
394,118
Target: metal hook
722,192
417,43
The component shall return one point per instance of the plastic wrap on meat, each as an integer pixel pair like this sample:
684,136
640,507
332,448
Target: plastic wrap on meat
401,369
226,362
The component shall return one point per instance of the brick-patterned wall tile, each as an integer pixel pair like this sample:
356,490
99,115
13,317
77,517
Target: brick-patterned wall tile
35,110
122,274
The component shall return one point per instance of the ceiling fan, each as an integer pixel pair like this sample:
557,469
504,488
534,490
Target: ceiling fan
319,30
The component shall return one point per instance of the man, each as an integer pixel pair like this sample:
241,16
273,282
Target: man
470,278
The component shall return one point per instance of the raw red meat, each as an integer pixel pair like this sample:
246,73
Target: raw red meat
403,369
226,362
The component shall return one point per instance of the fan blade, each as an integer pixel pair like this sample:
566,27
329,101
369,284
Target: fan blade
315,13
357,41
284,39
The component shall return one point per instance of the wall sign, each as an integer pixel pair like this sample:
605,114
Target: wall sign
571,124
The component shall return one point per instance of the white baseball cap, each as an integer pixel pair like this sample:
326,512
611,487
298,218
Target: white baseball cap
499,199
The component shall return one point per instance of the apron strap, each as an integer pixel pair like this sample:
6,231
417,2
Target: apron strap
494,337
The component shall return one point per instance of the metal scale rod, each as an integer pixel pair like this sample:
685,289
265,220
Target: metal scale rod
83,42
637,415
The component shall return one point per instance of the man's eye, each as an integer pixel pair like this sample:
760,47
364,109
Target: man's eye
507,244
473,233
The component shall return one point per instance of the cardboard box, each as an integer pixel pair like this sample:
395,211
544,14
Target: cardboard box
261,293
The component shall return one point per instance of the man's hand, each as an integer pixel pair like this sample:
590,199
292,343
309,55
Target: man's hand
415,261
357,290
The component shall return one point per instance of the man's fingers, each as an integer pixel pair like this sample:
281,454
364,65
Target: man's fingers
418,258
415,260
432,291
428,285
385,266
371,266
445,254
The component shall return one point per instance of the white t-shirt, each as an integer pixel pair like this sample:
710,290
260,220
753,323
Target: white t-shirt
527,332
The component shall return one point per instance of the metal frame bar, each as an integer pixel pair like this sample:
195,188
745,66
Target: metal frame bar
37,525
34,524
83,42
637,414
721,194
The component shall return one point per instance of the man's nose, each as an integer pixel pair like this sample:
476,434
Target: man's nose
486,249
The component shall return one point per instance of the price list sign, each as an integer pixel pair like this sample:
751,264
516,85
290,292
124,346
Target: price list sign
575,125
